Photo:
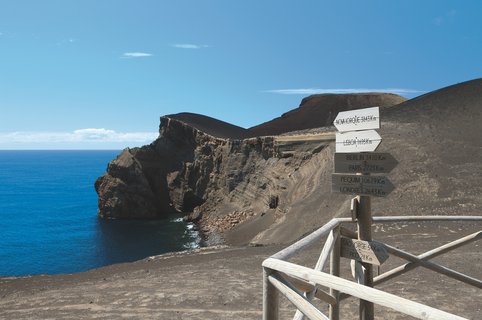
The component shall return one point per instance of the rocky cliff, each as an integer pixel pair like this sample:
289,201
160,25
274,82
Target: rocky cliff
180,170
250,189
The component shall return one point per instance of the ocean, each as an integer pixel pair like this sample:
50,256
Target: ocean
48,217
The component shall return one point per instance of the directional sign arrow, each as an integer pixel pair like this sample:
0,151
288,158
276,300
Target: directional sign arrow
360,119
357,141
378,186
372,252
364,162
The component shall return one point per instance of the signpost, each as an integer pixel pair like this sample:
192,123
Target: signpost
360,119
355,135
378,186
372,252
357,141
364,162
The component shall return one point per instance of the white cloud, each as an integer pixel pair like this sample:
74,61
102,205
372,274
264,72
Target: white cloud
136,55
188,46
344,90
81,135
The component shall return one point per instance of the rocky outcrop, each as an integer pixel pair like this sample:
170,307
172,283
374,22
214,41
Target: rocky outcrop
179,171
125,191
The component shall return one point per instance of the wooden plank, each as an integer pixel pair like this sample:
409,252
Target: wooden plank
372,252
435,267
327,249
364,226
296,298
270,297
306,241
335,271
426,256
357,141
357,271
425,218
385,299
303,243
348,233
325,254
378,186
372,162
354,208
451,245
307,287
359,119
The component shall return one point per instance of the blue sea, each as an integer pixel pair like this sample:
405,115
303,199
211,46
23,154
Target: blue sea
48,217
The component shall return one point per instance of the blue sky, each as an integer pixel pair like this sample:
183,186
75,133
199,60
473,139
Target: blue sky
98,74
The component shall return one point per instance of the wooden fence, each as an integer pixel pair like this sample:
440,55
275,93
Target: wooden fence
300,285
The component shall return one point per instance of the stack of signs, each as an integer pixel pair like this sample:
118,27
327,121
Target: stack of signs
356,140
355,160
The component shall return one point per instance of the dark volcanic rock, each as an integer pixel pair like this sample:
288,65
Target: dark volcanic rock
124,191
179,170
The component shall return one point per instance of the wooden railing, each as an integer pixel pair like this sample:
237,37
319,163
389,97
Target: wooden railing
300,285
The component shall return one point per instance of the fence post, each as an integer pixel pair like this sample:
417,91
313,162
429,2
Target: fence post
364,223
270,297
335,270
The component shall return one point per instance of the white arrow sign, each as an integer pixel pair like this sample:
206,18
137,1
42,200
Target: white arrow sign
357,141
360,119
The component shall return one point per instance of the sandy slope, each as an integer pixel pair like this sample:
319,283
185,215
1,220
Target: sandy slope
437,140
319,110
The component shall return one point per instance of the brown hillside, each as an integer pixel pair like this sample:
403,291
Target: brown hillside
437,140
320,110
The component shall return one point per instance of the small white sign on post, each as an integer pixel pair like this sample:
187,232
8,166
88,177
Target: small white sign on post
372,252
357,141
360,119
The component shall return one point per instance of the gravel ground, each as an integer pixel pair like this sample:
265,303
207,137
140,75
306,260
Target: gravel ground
226,282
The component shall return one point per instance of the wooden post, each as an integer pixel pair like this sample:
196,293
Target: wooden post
270,297
365,233
320,264
335,270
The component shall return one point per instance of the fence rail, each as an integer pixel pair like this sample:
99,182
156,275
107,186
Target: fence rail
300,284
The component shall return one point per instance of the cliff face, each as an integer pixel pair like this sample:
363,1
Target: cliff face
178,172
